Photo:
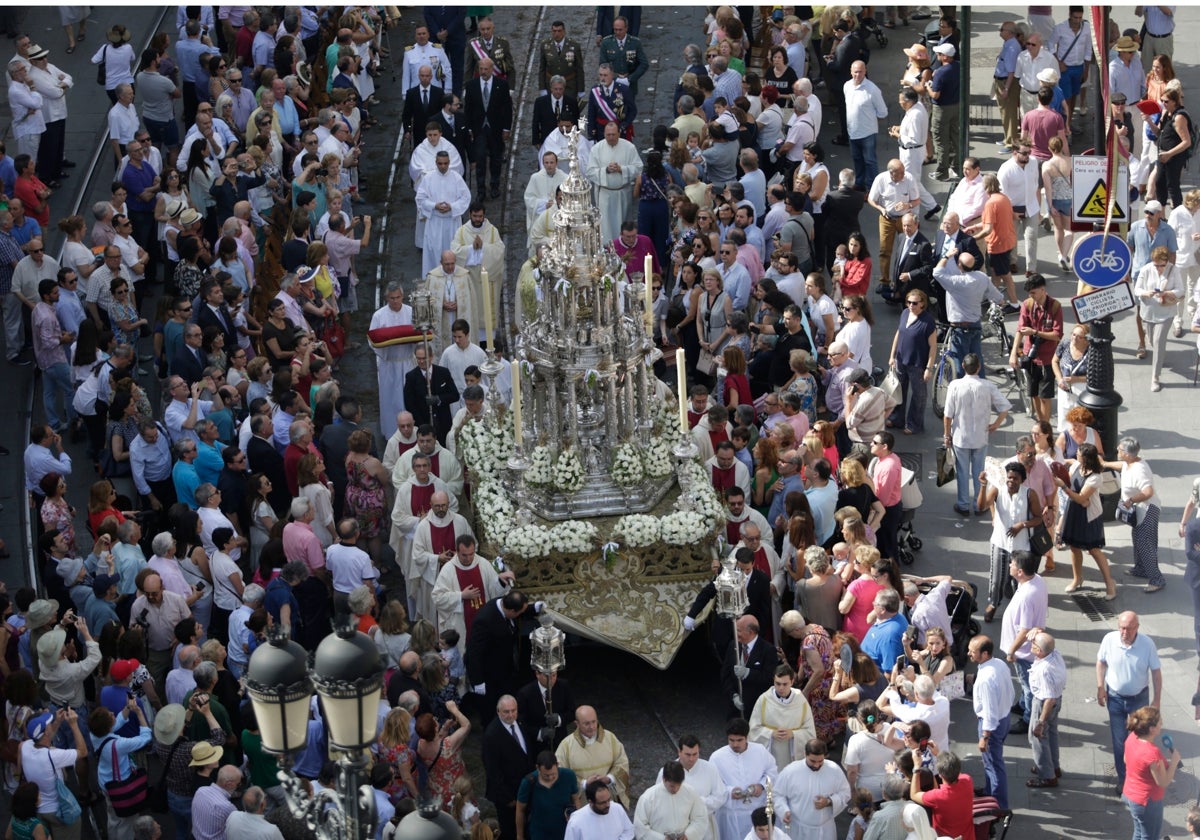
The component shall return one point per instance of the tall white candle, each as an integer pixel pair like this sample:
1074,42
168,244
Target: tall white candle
516,401
681,384
649,270
487,309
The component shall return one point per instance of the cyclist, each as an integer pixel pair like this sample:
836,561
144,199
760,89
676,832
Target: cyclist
966,289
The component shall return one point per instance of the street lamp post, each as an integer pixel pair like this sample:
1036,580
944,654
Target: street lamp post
348,675
548,657
731,603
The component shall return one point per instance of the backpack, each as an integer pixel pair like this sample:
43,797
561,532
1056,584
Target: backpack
1194,133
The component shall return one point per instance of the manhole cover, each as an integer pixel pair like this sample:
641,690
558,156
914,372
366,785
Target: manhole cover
1093,605
912,461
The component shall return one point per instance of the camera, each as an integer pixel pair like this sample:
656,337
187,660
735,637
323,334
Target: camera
322,172
143,618
1026,359
200,586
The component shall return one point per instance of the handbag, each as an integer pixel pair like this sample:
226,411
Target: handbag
334,338
68,806
891,389
1110,482
945,466
1128,514
102,69
129,794
707,363
1040,541
953,686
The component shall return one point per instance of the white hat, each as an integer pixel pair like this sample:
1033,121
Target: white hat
1153,207
945,49
1049,75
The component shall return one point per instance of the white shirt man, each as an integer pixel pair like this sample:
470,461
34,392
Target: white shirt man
744,767
459,356
931,707
1033,59
613,167
810,794
702,777
602,819
442,198
349,566
433,545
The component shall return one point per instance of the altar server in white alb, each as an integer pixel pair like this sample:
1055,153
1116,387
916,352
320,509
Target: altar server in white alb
392,363
442,462
414,499
745,768
670,808
559,142
782,720
478,247
702,777
602,819
614,167
424,161
766,826
442,198
810,794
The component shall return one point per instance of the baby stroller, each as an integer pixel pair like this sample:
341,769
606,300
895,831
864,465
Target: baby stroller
868,27
960,604
910,499
991,821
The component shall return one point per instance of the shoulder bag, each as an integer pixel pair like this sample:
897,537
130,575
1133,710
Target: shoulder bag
128,795
102,69
68,809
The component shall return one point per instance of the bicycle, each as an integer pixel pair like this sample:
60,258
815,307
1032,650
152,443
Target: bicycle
994,327
947,366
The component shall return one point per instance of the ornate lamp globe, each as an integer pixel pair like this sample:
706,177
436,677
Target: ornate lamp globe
549,646
348,675
731,591
280,690
428,822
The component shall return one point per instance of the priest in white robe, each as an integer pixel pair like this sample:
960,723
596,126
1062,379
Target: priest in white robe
613,167
602,819
810,794
443,463
782,720
745,768
461,354
724,467
402,440
559,143
433,545
702,777
453,610
453,295
478,247
471,411
540,189
424,160
414,499
670,807
542,233
392,363
442,198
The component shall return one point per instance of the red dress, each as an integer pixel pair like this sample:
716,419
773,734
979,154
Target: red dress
856,277
737,382
442,771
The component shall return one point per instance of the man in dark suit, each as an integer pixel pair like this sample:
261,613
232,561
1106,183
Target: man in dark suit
950,237
531,700
447,27
491,656
213,313
912,260
507,758
758,601
488,106
755,668
429,391
550,108
453,124
841,209
405,679
189,359
421,103
335,445
263,457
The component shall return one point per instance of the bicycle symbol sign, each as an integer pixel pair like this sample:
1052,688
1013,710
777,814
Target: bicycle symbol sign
1100,261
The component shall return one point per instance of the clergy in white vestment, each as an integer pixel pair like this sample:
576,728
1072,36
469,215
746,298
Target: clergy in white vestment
765,827
478,246
540,189
542,233
703,778
414,499
708,429
424,160
670,807
402,440
470,575
559,142
613,167
442,198
460,355
443,463
745,768
392,363
471,411
453,293
725,470
602,819
782,720
810,794
433,546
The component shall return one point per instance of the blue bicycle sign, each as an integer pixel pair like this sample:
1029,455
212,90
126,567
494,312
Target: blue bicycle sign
1101,261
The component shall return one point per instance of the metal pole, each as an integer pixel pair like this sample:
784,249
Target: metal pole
964,125
1099,116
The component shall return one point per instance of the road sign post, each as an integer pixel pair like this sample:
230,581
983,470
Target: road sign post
1089,190
1102,303
1101,260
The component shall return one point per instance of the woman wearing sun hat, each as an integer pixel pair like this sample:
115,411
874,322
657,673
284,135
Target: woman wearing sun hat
176,754
118,60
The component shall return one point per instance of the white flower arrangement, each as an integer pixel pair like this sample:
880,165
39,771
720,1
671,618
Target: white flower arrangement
658,460
684,527
701,499
568,472
541,467
574,536
486,447
627,467
637,530
494,509
666,423
528,541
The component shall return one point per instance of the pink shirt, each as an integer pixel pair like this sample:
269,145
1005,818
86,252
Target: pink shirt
300,543
863,589
887,480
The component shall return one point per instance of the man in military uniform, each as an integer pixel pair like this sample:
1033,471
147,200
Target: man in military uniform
625,55
562,56
425,52
610,102
488,45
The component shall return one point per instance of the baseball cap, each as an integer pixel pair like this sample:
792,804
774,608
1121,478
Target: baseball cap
37,726
945,49
1153,207
123,668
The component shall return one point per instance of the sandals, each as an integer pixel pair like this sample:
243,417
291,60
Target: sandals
1141,351
70,50
1152,588
989,614
1073,587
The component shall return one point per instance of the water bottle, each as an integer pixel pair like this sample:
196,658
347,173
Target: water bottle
1167,743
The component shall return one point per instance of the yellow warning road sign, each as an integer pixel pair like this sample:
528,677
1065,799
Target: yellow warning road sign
1090,193
1096,205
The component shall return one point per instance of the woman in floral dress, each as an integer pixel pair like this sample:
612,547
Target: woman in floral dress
57,511
366,491
392,749
439,755
808,649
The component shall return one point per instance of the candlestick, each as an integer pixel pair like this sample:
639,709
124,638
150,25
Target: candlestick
681,385
649,270
516,401
487,309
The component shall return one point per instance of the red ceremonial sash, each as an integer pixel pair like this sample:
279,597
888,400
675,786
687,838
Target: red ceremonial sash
442,537
419,501
722,479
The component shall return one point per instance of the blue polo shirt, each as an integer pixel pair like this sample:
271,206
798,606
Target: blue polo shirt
137,181
947,81
884,642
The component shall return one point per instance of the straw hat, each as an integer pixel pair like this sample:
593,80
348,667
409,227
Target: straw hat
1048,76
168,724
917,52
37,51
189,217
41,612
1126,44
50,647
204,753
118,35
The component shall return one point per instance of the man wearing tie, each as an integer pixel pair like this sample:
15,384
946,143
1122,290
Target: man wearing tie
951,237
427,381
506,760
912,265
624,53
489,120
552,107
562,56
489,45
546,694
422,102
610,102
491,653
454,125
214,314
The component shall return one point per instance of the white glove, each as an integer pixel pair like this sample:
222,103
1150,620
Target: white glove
689,623
741,671
479,689
538,606
737,702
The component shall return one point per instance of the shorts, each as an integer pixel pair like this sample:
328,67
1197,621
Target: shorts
164,134
1070,81
1062,205
348,300
1041,382
1001,264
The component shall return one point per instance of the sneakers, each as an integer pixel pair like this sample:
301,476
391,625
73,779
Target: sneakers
1063,264
932,214
1011,308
